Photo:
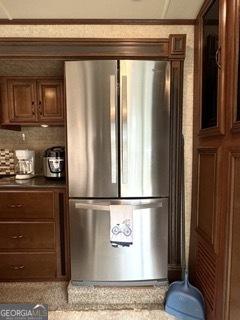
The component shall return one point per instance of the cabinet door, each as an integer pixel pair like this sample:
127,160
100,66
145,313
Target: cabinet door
50,103
210,162
22,100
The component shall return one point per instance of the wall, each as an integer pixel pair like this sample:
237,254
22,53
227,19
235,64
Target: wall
130,31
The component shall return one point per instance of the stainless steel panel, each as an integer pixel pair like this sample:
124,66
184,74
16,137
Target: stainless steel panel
145,121
94,259
91,96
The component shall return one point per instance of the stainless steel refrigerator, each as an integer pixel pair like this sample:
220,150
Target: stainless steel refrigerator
118,118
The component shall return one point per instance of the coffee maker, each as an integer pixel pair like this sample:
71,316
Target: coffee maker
25,164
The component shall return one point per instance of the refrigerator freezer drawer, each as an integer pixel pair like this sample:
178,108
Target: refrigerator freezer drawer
94,259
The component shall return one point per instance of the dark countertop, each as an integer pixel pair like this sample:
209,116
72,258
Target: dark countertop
36,182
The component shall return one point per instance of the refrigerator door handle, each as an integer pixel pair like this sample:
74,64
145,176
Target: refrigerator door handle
113,128
124,135
106,207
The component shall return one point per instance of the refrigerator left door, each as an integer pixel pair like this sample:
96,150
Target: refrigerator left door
91,96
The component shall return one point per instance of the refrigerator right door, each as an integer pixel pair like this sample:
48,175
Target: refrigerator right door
144,128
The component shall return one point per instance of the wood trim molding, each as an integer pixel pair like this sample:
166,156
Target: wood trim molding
174,272
98,21
177,45
203,9
233,56
233,156
175,166
72,48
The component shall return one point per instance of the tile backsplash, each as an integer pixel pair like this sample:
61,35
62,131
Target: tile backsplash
7,163
36,138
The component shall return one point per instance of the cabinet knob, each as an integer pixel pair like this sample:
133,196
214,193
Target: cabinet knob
17,267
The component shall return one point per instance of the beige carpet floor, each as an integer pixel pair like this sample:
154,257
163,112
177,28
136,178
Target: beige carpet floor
110,315
54,294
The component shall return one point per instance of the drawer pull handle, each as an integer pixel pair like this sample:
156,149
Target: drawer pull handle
19,236
17,267
19,205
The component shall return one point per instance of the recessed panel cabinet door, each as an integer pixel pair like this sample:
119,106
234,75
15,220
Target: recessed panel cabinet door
50,104
21,100
216,169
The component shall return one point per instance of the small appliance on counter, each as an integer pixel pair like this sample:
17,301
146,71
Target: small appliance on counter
54,162
25,167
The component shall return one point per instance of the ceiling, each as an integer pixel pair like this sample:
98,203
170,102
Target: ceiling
99,9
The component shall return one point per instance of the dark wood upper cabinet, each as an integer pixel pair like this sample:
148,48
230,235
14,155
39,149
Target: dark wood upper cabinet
32,101
210,44
210,65
50,104
22,100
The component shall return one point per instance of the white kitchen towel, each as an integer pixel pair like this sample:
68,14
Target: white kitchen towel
121,225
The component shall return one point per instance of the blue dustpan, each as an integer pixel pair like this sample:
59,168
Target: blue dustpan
184,301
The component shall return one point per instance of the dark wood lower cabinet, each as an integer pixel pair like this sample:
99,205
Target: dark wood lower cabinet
28,266
33,235
27,204
27,235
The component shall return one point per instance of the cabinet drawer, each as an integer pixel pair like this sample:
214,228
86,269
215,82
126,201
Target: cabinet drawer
27,236
22,266
26,204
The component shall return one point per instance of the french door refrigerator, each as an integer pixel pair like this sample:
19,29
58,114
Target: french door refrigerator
118,153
